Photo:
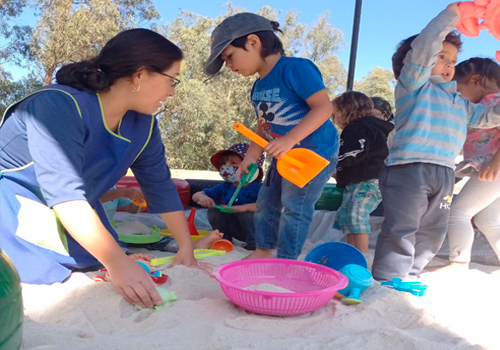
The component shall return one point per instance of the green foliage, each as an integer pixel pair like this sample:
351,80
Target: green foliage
198,121
12,91
379,82
16,37
76,30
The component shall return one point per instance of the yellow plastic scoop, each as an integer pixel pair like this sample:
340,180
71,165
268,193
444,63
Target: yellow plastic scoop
298,165
198,254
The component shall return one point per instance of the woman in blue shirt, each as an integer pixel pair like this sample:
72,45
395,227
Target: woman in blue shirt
63,146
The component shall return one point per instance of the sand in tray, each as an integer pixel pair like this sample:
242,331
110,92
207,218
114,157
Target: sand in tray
268,287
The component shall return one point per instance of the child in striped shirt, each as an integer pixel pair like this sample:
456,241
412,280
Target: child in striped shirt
431,124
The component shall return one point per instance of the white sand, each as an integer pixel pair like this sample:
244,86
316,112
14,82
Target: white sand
267,287
456,313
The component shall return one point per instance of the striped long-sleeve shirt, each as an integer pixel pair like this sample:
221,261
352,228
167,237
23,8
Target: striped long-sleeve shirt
431,116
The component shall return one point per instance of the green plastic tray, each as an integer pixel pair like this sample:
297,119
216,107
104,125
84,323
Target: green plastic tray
142,238
331,198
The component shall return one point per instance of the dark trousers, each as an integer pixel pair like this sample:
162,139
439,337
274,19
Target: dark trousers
234,225
416,199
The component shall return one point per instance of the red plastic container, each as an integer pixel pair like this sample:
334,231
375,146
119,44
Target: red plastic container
183,187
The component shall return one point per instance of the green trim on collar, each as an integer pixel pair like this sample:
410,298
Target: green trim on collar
25,97
149,138
17,169
106,125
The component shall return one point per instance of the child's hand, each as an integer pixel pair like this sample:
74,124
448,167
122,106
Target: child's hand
277,148
207,202
454,7
489,172
134,193
243,167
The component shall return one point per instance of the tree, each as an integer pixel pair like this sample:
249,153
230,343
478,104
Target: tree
70,30
197,122
379,82
12,91
16,37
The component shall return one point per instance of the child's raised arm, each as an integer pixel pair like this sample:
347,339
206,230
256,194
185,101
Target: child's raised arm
424,49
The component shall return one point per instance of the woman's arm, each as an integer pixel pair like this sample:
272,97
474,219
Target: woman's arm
128,277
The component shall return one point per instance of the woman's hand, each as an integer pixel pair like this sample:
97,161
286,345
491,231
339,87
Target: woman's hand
133,283
490,171
277,148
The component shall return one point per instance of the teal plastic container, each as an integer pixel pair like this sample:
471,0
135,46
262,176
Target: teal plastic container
11,306
330,199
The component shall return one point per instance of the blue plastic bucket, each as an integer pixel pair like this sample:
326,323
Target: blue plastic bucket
336,255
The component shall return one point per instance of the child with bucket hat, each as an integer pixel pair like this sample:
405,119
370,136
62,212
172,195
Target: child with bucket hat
293,110
237,225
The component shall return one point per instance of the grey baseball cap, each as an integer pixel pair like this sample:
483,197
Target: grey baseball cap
232,28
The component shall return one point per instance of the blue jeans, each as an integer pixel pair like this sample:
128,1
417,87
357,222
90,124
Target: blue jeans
285,211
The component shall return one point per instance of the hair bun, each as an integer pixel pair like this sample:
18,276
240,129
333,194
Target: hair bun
83,75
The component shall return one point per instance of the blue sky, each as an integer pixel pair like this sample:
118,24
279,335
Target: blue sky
383,24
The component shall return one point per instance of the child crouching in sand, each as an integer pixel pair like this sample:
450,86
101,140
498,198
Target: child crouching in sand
238,225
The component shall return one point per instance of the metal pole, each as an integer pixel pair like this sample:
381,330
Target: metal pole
354,45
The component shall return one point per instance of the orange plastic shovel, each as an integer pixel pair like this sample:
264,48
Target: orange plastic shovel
298,165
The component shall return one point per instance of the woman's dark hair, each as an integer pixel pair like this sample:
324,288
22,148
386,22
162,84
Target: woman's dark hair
405,45
270,41
486,68
121,57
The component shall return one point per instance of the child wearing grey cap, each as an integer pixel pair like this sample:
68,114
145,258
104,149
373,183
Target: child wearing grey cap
292,109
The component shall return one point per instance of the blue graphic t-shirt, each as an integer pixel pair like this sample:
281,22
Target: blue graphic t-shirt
280,103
